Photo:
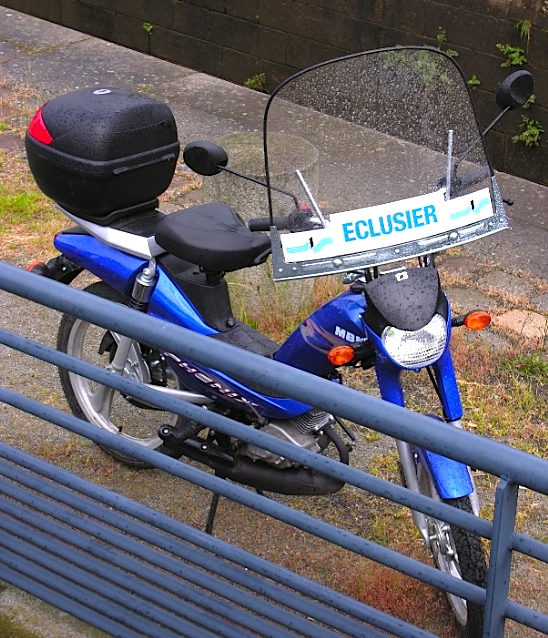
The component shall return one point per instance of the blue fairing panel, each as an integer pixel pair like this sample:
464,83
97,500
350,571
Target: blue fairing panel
168,302
119,269
114,267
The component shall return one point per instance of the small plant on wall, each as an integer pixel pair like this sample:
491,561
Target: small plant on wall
474,82
441,37
148,28
531,130
257,82
525,28
515,56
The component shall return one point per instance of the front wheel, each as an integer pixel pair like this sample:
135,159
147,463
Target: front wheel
459,553
104,406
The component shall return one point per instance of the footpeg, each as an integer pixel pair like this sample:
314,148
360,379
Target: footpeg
182,440
184,429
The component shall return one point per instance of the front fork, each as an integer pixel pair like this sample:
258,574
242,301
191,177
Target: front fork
451,479
412,461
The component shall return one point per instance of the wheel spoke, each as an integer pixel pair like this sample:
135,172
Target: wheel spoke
100,401
101,405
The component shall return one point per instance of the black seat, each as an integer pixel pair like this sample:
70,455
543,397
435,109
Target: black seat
214,237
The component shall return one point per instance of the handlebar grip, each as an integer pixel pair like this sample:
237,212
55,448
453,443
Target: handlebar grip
264,223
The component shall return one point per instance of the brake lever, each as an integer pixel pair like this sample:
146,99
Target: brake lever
303,219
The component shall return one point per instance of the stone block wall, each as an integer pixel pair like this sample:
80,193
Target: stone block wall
239,39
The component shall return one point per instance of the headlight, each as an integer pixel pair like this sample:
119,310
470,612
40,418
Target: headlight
416,348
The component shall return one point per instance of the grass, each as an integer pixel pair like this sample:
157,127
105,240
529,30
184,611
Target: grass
385,589
529,366
28,219
504,393
277,312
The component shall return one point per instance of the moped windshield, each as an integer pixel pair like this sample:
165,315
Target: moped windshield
385,147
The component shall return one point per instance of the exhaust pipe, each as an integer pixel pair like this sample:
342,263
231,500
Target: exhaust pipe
298,481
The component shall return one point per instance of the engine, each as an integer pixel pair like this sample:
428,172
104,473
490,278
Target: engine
304,431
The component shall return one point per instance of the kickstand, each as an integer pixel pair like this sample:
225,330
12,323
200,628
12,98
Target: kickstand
212,513
213,510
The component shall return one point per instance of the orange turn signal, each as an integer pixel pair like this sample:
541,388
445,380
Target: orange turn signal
477,320
35,264
341,355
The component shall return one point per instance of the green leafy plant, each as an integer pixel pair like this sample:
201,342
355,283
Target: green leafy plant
441,37
474,82
525,28
531,132
148,27
515,56
257,82
530,102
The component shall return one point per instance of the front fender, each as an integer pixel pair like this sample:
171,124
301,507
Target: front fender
451,478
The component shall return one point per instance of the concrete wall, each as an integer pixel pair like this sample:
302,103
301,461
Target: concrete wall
237,39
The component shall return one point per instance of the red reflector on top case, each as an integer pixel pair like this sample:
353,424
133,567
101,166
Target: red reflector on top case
38,130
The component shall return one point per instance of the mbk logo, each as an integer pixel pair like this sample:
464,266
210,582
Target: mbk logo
401,276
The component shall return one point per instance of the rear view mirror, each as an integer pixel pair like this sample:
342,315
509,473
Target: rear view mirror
205,158
515,90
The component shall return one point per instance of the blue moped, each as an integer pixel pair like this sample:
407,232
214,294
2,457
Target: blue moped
402,174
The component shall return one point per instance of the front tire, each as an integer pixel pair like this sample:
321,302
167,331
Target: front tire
103,406
459,553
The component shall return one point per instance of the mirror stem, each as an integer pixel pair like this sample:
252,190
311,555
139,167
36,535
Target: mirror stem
472,146
503,112
258,181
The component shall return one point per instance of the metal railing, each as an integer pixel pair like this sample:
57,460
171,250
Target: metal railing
273,598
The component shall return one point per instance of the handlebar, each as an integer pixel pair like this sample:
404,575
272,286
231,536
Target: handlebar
304,218
299,219
264,223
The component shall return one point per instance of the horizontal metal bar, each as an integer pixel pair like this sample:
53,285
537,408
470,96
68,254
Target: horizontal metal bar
96,578
75,608
248,561
529,546
43,568
526,616
218,422
128,545
489,456
302,521
155,591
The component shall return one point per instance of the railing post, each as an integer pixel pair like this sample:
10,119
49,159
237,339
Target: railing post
498,580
